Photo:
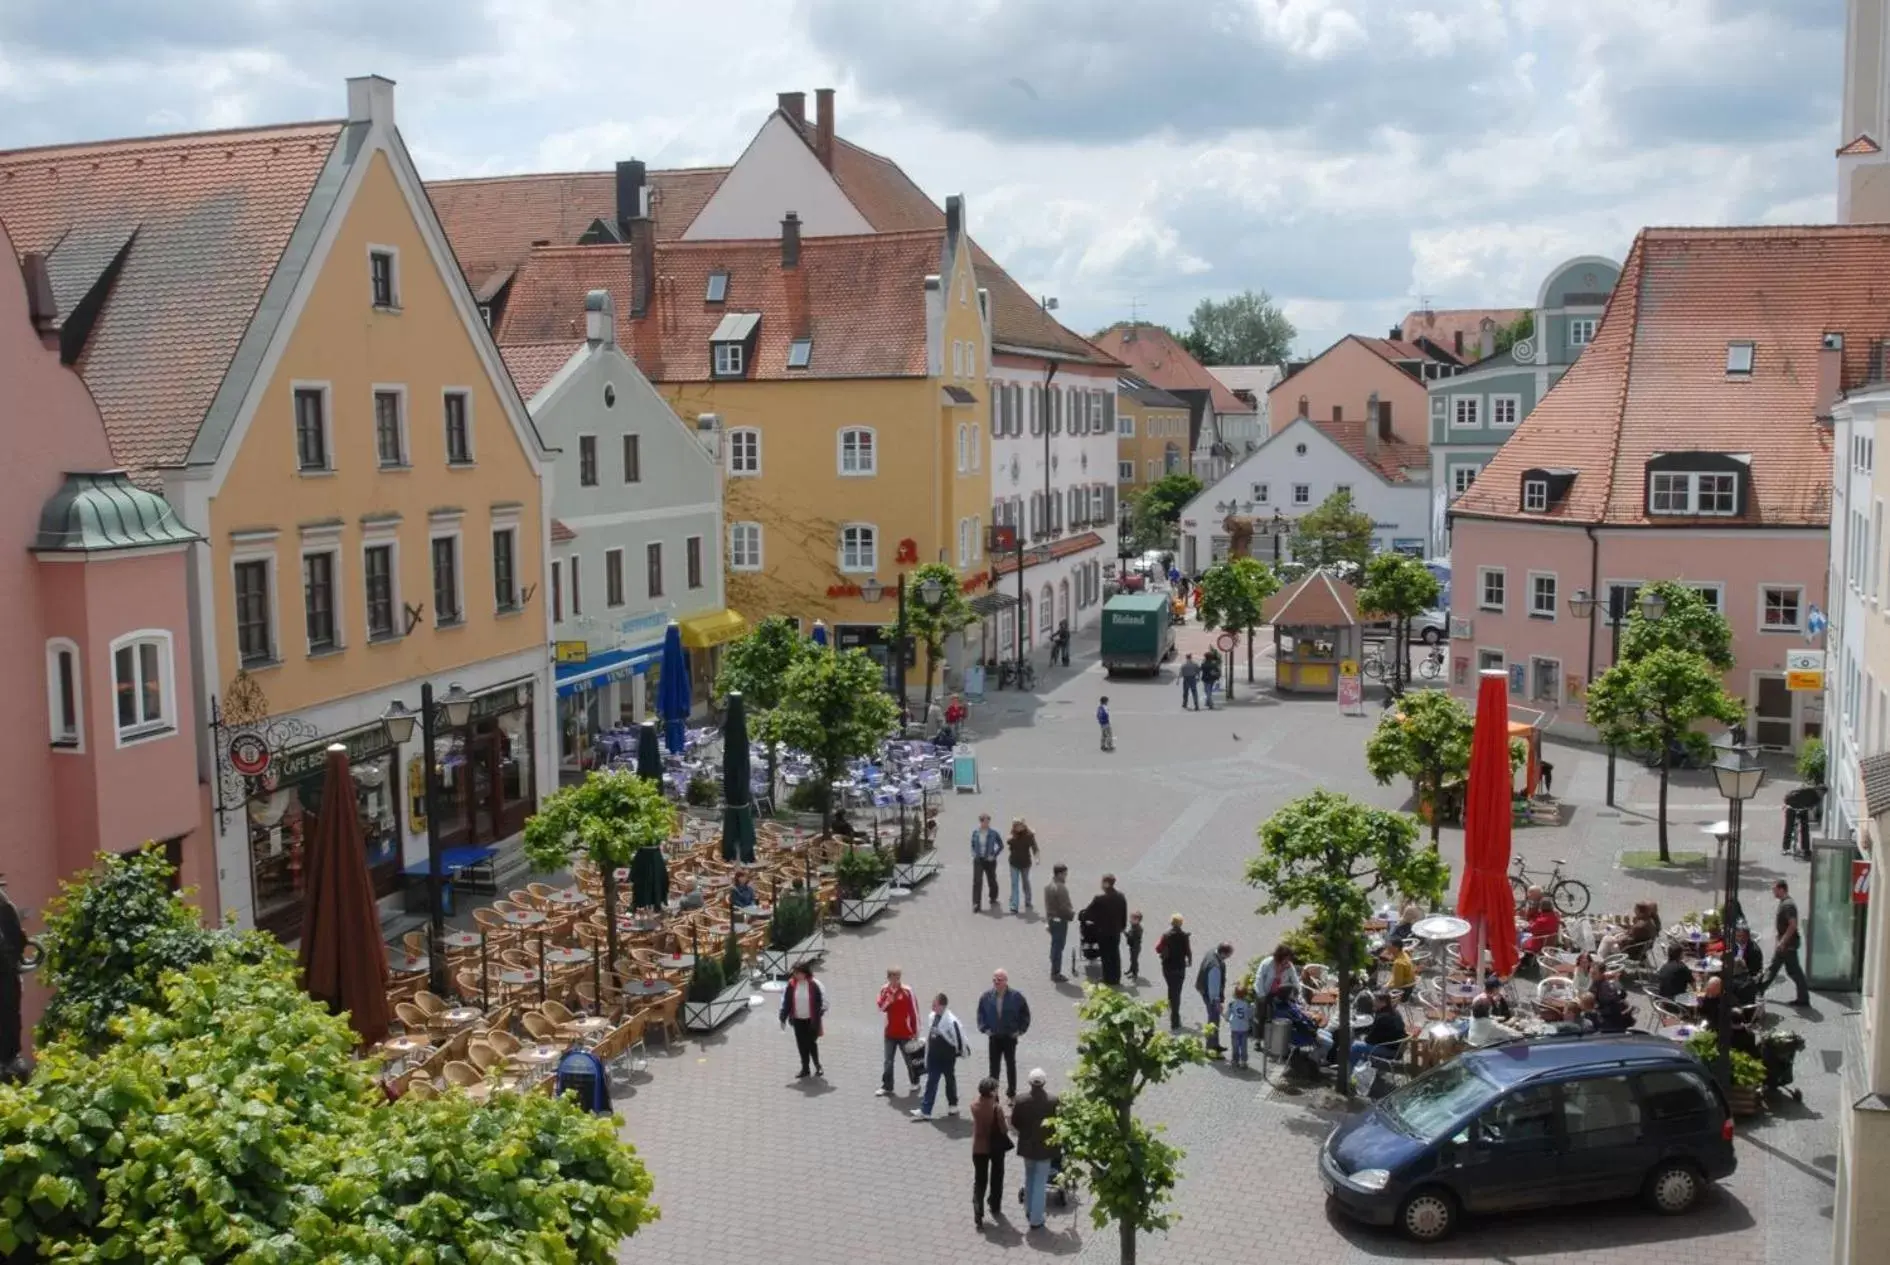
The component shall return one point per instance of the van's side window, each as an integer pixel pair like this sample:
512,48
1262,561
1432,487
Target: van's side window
1525,1116
1673,1097
1600,1113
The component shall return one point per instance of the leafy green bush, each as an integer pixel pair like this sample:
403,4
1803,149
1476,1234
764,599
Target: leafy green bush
860,870
1747,1071
702,792
731,957
1811,762
706,981
793,921
809,797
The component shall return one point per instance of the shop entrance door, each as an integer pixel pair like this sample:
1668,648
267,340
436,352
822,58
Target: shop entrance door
482,787
1771,711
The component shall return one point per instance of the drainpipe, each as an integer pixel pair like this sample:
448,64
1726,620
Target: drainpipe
1049,496
1594,590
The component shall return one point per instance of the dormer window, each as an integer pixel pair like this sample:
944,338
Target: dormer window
728,360
1535,496
1687,492
1738,360
718,288
1544,487
799,353
732,345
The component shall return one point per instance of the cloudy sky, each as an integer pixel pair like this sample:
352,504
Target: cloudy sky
1349,156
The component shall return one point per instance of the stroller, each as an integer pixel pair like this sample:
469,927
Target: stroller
1060,1191
1777,1051
1088,943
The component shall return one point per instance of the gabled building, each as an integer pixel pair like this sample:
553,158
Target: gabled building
1251,384
279,342
1151,435
1457,331
1687,443
1219,422
1340,382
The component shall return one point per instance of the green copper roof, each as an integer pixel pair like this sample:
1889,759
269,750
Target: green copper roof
92,513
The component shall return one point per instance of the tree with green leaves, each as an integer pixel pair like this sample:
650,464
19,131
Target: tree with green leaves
1652,703
836,709
1124,1048
756,666
1328,853
929,626
1686,622
1158,507
1426,738
1399,587
1507,336
1244,329
1232,595
605,819
1336,531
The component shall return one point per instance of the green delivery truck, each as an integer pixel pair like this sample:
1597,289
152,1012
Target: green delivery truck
1137,633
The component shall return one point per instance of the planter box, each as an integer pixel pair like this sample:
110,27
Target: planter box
914,872
777,963
867,907
707,1016
1743,1101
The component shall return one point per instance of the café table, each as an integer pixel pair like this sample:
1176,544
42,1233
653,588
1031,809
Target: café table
592,1028
1676,1032
403,1049
460,1016
562,956
677,961
463,939
1461,992
538,1058
570,897
518,977
410,965
524,917
647,988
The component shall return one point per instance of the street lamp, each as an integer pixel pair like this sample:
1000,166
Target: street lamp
1739,775
1581,604
871,590
455,708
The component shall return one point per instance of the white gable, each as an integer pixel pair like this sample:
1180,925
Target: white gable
776,174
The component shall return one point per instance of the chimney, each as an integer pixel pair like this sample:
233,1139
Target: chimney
631,179
1456,338
794,105
1486,337
1396,334
643,267
1305,407
41,307
1371,423
823,126
600,319
791,241
954,220
371,100
1830,373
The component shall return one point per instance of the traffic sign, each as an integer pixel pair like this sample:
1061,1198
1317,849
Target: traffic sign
1860,882
1227,641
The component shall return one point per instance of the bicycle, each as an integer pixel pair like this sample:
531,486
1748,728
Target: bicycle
1433,665
1022,675
1568,895
1372,664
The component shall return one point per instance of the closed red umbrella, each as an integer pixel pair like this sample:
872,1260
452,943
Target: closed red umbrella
1484,899
344,961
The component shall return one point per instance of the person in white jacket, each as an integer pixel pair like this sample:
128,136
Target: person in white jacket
945,1044
1484,1028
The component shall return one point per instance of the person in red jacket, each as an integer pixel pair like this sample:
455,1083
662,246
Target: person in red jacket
901,1009
1544,929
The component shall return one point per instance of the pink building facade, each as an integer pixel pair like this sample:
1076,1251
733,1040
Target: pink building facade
98,754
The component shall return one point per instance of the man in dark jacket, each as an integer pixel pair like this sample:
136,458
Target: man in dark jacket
1211,983
1029,1116
1003,1016
1177,955
1058,910
1674,976
1108,914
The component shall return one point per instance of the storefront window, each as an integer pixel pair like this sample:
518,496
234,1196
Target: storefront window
282,809
486,785
1831,919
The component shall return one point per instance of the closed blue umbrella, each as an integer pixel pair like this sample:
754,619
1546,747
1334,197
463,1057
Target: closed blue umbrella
672,693
820,633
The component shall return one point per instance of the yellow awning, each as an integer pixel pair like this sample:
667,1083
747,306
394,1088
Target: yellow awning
704,631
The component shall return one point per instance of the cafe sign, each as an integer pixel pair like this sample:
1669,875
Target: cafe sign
572,651
362,745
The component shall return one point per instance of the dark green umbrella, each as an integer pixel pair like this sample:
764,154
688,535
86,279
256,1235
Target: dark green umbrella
738,812
649,870
649,752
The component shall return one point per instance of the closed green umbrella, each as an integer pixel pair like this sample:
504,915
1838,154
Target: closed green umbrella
649,869
738,799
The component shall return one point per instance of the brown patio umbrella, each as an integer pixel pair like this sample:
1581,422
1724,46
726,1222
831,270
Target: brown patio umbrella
344,962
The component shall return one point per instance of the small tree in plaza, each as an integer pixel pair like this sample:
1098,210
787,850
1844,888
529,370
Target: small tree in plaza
605,819
1400,587
756,664
930,627
1335,532
1125,1047
836,709
1426,738
1686,622
1232,594
1158,508
1651,703
1328,853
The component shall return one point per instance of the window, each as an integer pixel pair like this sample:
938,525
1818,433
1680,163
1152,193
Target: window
381,277
446,611
311,429
62,692
800,353
1600,1113
255,637
1125,472
1342,489
1535,495
744,450
1630,591
1047,612
1492,588
858,455
718,288
958,358
458,409
587,461
1739,359
653,565
1262,493
859,548
1709,593
1505,410
1581,331
1689,493
318,600
1489,660
377,567
140,678
632,459
1541,596
390,429
1125,425
1466,410
1096,509
1673,1097
613,577
505,568
577,586
557,592
1781,609
1302,494
964,542
1461,477
744,546
1546,681
728,360
485,314
692,562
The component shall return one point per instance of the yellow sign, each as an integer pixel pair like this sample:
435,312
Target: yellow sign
1801,681
1804,670
571,651
1348,667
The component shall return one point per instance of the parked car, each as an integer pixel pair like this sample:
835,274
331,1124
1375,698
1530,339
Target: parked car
1529,1124
1431,627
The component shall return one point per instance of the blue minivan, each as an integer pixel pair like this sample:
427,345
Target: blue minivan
1525,1124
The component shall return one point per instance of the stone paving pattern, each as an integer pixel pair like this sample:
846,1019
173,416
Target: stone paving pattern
750,1164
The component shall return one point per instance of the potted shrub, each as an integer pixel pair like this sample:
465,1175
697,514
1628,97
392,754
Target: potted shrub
862,875
712,999
702,792
915,859
793,936
808,802
1748,1073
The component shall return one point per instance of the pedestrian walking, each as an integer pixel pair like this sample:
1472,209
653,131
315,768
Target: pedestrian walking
901,1009
1240,1023
1024,852
1060,643
987,845
945,1044
1176,953
1190,682
1102,720
990,1139
1003,1017
1211,982
1785,945
1133,938
1108,915
804,1005
1058,910
1029,1116
1210,676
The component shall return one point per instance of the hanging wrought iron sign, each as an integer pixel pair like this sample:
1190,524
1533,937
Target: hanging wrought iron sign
246,741
249,754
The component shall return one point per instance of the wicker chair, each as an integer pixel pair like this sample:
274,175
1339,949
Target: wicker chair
429,1003
538,1027
467,1079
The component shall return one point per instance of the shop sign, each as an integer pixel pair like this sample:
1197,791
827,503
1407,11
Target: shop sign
249,755
1351,689
843,590
299,762
493,702
1001,539
653,621
1860,882
1804,670
908,551
572,651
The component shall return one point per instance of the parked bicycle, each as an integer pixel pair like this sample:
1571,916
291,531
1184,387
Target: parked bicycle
1372,663
1021,676
1569,895
1433,665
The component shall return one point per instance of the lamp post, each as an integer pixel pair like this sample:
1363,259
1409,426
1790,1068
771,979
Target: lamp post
1581,604
1278,524
1739,775
456,709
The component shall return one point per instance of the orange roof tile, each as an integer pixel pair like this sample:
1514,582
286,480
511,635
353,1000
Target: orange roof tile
1442,325
1317,601
1392,456
561,534
534,364
1861,145
547,299
1154,354
1654,380
207,217
1398,352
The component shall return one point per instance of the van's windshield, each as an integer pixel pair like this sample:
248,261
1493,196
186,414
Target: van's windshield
1432,1105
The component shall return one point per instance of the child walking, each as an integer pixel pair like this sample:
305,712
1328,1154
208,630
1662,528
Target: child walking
1102,719
1134,937
1240,1022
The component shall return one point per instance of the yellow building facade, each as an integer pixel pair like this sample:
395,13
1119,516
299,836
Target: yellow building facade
1151,436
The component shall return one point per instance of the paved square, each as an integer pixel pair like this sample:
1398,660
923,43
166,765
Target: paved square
752,1165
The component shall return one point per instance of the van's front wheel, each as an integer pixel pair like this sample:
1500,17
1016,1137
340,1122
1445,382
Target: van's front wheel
1428,1215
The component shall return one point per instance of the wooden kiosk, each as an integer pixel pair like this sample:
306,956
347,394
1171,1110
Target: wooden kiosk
1315,629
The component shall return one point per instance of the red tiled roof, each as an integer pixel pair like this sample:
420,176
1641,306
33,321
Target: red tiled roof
1862,144
560,534
547,299
1156,356
208,216
1318,601
1397,351
1654,380
534,364
1005,564
1391,457
1442,325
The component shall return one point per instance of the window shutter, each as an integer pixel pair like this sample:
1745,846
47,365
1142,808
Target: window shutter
991,394
1017,409
1056,411
1109,412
